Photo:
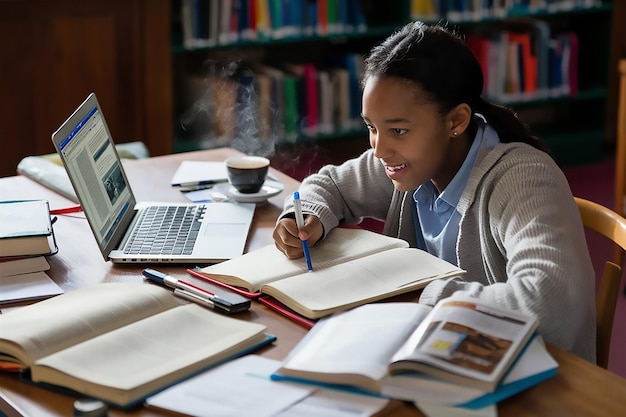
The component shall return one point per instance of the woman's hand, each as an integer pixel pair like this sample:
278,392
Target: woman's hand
289,241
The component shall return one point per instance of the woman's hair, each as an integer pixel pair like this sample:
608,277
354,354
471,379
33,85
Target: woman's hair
438,60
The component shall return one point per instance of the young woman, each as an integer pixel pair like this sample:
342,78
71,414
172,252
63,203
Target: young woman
463,179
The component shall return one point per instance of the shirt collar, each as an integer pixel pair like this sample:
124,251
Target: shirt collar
452,193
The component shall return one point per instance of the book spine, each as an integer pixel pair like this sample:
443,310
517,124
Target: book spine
237,290
285,311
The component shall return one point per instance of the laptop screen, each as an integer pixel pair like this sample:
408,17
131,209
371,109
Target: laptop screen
94,167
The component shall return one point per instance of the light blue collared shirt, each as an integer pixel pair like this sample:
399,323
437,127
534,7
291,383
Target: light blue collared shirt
438,217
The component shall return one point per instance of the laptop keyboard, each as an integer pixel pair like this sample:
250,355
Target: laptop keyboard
153,236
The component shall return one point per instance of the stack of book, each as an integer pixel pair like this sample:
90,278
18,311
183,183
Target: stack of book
26,237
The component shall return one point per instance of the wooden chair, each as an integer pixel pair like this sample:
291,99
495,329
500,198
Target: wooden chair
613,226
620,151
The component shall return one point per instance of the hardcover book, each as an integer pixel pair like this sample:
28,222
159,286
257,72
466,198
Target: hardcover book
26,228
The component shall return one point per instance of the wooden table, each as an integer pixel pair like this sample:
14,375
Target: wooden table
580,389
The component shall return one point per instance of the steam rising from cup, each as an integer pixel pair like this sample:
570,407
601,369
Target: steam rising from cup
229,111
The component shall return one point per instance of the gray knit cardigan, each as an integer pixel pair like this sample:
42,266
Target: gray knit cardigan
521,239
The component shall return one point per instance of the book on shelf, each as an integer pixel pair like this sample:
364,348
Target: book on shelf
527,62
404,350
263,87
341,98
322,27
326,103
26,228
308,95
274,104
355,65
290,109
120,342
350,267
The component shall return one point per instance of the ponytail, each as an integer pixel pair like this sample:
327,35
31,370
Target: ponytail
509,127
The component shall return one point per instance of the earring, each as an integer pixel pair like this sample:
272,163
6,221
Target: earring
455,134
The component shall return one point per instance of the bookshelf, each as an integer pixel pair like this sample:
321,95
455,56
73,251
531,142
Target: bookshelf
571,117
130,53
578,125
308,45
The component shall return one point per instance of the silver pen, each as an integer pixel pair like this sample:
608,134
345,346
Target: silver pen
204,302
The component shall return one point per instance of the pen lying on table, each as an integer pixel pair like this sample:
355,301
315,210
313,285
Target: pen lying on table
192,293
200,183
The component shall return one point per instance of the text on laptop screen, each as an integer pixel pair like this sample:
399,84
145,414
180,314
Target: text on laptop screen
101,183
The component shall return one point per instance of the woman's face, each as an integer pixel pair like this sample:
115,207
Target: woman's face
413,140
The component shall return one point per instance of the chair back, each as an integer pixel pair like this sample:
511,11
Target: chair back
613,226
620,151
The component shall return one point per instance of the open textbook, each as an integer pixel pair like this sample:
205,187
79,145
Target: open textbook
351,267
460,342
120,342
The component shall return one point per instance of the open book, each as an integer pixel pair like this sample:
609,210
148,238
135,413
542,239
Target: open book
120,342
460,341
351,267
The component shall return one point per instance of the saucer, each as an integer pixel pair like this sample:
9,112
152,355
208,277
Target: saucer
269,189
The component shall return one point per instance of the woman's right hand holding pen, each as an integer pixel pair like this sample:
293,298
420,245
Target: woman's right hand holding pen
289,240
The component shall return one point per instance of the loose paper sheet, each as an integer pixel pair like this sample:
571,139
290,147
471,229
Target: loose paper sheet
196,171
25,287
242,387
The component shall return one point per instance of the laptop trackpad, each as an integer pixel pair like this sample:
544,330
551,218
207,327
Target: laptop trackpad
225,230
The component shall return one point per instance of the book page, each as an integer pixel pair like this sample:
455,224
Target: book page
135,360
466,337
39,329
232,389
23,266
396,271
354,347
268,264
243,384
27,287
534,365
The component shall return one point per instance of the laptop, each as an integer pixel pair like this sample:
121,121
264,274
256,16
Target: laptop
124,228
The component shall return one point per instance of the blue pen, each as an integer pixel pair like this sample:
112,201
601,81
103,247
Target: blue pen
300,222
